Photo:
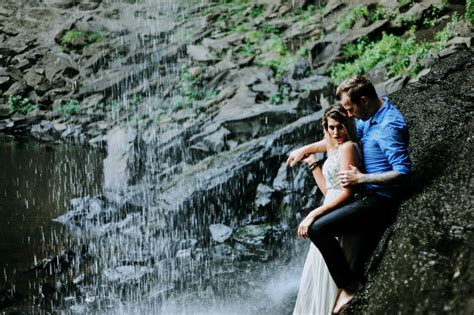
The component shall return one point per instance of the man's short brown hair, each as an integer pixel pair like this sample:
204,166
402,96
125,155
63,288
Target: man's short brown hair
355,88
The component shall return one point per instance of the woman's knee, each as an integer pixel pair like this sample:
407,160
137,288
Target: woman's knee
316,229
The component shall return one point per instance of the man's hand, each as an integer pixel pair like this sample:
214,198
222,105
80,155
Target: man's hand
296,156
350,177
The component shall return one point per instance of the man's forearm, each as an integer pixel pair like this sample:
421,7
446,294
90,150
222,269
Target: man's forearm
381,178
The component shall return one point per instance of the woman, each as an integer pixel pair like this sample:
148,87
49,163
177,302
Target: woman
318,292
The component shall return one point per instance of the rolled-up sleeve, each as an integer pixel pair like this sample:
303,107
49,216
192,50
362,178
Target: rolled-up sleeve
395,145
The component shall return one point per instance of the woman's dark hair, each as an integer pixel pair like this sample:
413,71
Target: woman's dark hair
339,114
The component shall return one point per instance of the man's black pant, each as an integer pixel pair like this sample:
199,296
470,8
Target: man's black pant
371,212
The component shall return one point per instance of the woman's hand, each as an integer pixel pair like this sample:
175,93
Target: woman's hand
296,156
304,226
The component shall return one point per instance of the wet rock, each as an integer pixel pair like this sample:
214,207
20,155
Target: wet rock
220,232
126,274
8,297
61,4
253,234
119,142
264,195
17,88
89,5
217,46
425,249
222,251
280,182
4,80
462,41
391,86
200,53
216,140
301,69
183,253
371,31
325,51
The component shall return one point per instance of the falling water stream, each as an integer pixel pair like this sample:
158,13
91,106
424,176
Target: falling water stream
122,251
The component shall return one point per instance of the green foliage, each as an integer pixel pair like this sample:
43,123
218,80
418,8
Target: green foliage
73,37
286,61
279,98
256,11
22,105
406,20
276,44
372,14
269,29
94,37
397,55
69,108
358,12
78,38
448,32
136,100
469,16
405,3
192,90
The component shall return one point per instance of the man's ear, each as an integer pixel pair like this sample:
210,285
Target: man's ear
364,101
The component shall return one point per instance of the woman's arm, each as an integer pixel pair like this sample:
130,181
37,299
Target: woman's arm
299,154
349,156
317,174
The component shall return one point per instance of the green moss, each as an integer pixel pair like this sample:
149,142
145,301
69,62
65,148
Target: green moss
21,105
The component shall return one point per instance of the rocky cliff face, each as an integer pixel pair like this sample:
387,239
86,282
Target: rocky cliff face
424,263
214,166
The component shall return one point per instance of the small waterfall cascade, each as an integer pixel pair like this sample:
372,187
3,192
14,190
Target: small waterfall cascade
178,228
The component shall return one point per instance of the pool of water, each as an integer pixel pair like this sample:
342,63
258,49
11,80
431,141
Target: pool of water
38,180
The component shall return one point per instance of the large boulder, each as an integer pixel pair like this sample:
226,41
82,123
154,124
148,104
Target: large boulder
424,262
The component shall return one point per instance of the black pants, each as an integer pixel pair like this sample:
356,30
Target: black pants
367,213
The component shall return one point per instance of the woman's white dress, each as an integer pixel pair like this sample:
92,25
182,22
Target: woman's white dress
318,292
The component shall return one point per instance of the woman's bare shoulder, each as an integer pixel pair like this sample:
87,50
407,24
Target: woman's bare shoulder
349,146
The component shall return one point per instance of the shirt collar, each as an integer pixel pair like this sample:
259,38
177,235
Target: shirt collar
378,116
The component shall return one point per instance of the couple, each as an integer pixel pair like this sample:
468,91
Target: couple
383,157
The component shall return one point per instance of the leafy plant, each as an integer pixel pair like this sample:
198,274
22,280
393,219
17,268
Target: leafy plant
69,108
22,105
469,16
79,38
192,90
256,11
405,3
74,37
349,20
397,55
94,37
448,31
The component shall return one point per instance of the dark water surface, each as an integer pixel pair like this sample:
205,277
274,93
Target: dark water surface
38,181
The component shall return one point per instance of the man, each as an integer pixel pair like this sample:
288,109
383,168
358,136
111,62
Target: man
383,134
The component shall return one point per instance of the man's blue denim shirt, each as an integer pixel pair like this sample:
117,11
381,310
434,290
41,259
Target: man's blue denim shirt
384,139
